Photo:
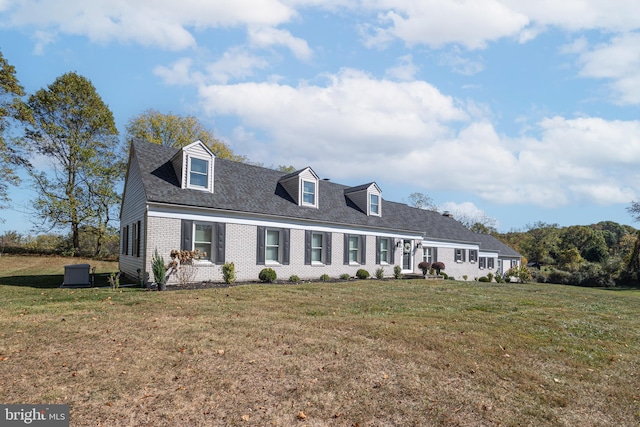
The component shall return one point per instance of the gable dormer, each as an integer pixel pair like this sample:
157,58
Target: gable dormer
367,197
302,186
194,165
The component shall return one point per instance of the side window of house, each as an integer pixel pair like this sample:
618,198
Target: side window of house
490,263
354,249
460,255
273,246
203,241
136,239
125,240
482,262
473,255
317,248
427,255
384,250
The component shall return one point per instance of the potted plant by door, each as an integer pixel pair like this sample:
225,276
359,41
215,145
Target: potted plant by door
159,270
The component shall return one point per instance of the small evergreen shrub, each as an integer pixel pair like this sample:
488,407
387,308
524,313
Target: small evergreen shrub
490,277
362,274
267,275
483,279
345,276
444,275
465,277
499,278
380,273
451,278
325,277
158,267
397,271
294,279
228,272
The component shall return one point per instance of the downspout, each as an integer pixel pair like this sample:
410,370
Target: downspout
146,244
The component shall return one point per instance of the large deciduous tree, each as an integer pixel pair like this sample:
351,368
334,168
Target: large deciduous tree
173,130
74,129
11,109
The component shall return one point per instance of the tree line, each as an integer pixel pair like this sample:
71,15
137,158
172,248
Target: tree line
64,136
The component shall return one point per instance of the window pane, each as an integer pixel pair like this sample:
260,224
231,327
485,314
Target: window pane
203,233
272,254
199,165
353,242
316,255
384,244
316,241
273,237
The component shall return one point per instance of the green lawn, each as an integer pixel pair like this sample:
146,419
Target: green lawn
366,353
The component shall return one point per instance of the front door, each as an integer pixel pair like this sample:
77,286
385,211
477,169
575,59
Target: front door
406,255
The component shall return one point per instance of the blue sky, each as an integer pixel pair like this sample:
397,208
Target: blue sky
517,110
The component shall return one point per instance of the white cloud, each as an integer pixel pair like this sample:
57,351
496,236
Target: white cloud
266,37
617,61
405,70
167,24
436,22
236,63
357,127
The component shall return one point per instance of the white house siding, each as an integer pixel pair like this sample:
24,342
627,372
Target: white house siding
241,248
133,210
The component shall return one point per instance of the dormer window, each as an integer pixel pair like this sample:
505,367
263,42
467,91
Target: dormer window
194,166
198,173
374,204
308,193
302,186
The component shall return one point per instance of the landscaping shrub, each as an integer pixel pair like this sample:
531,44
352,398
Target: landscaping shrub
345,276
424,266
325,277
490,277
267,275
158,267
380,273
484,279
362,274
294,279
438,266
444,275
228,272
397,271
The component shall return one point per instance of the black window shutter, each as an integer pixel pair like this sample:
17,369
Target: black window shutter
435,255
363,250
307,247
138,239
346,249
260,247
186,238
328,248
220,242
378,239
392,252
286,250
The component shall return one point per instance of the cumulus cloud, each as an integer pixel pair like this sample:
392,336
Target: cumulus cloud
404,70
618,62
165,24
357,126
268,36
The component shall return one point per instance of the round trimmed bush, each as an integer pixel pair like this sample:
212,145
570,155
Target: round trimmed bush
294,279
267,275
325,278
345,276
362,274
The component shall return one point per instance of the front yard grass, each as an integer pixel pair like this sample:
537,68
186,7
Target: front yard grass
366,353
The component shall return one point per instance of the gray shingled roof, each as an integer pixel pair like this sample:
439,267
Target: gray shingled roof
241,187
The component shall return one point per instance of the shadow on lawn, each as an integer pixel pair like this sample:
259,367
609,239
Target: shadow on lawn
48,281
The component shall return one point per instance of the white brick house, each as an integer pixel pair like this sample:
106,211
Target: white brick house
295,223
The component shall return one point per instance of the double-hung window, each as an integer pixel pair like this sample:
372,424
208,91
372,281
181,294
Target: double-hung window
483,262
203,240
473,255
460,255
317,248
374,204
490,263
309,193
354,249
384,251
427,255
198,173
272,246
